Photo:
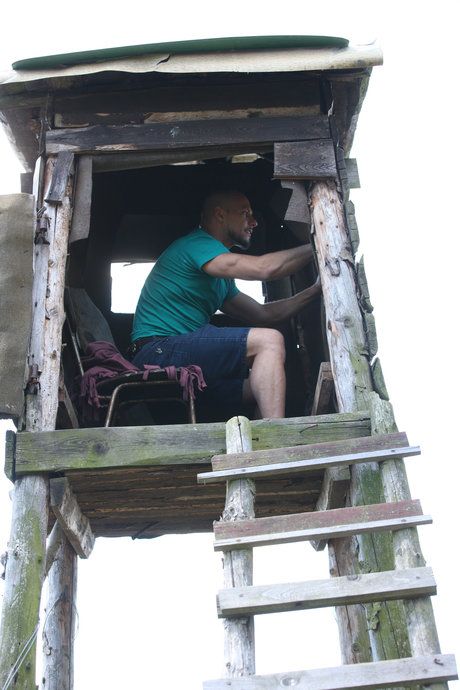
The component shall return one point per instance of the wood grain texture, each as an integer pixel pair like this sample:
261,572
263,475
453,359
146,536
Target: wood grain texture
195,133
328,524
311,451
304,160
338,591
239,643
324,389
74,524
60,178
419,670
181,444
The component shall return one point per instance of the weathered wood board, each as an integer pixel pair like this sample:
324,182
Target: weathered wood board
180,444
337,591
327,524
421,670
194,133
304,160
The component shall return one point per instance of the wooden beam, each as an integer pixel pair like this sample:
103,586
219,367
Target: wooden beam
60,178
336,483
279,468
337,591
420,670
239,643
324,389
191,134
53,545
87,449
74,524
304,160
330,524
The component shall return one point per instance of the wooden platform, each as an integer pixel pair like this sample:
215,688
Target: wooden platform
142,481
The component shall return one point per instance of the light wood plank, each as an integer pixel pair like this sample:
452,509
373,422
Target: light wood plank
310,451
338,591
330,524
422,670
74,524
308,465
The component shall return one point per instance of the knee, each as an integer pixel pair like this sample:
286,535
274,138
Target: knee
264,340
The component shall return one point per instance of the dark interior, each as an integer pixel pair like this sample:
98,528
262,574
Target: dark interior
137,213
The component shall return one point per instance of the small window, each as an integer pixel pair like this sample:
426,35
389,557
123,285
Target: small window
128,279
127,282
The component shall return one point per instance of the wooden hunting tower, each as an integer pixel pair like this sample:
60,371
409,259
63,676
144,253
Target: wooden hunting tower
122,146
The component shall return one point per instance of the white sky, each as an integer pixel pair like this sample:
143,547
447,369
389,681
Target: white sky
146,609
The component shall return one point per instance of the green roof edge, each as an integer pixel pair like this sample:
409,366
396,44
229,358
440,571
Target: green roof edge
236,43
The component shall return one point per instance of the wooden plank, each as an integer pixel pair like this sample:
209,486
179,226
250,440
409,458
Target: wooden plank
280,468
330,524
333,494
311,451
305,160
337,591
325,533
89,449
324,389
74,524
60,178
82,200
157,136
420,670
239,643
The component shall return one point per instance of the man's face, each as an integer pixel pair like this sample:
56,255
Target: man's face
239,222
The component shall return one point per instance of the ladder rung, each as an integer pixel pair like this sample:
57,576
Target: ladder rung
326,524
337,591
421,670
228,461
305,465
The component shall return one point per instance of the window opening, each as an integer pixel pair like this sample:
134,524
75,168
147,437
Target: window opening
128,279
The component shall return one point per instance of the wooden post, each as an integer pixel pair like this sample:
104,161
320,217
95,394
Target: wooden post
59,629
372,632
239,651
391,631
26,549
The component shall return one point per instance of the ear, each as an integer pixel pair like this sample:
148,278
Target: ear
219,213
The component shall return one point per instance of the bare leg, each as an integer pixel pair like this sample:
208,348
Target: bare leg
266,355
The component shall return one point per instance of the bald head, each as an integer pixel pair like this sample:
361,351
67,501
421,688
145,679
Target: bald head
219,200
227,215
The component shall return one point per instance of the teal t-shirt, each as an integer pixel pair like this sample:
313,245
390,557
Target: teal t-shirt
178,296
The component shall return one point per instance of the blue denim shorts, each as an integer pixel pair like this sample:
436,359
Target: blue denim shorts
219,351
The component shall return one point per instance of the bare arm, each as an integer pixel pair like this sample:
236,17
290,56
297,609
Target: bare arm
248,310
266,267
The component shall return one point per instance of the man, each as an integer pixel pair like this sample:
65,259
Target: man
194,278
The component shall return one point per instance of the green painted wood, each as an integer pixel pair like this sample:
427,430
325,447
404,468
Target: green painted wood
180,444
202,45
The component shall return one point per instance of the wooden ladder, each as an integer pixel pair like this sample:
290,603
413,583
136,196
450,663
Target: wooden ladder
239,531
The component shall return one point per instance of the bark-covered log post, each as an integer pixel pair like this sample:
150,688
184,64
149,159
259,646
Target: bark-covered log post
375,631
394,630
59,629
239,650
26,547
